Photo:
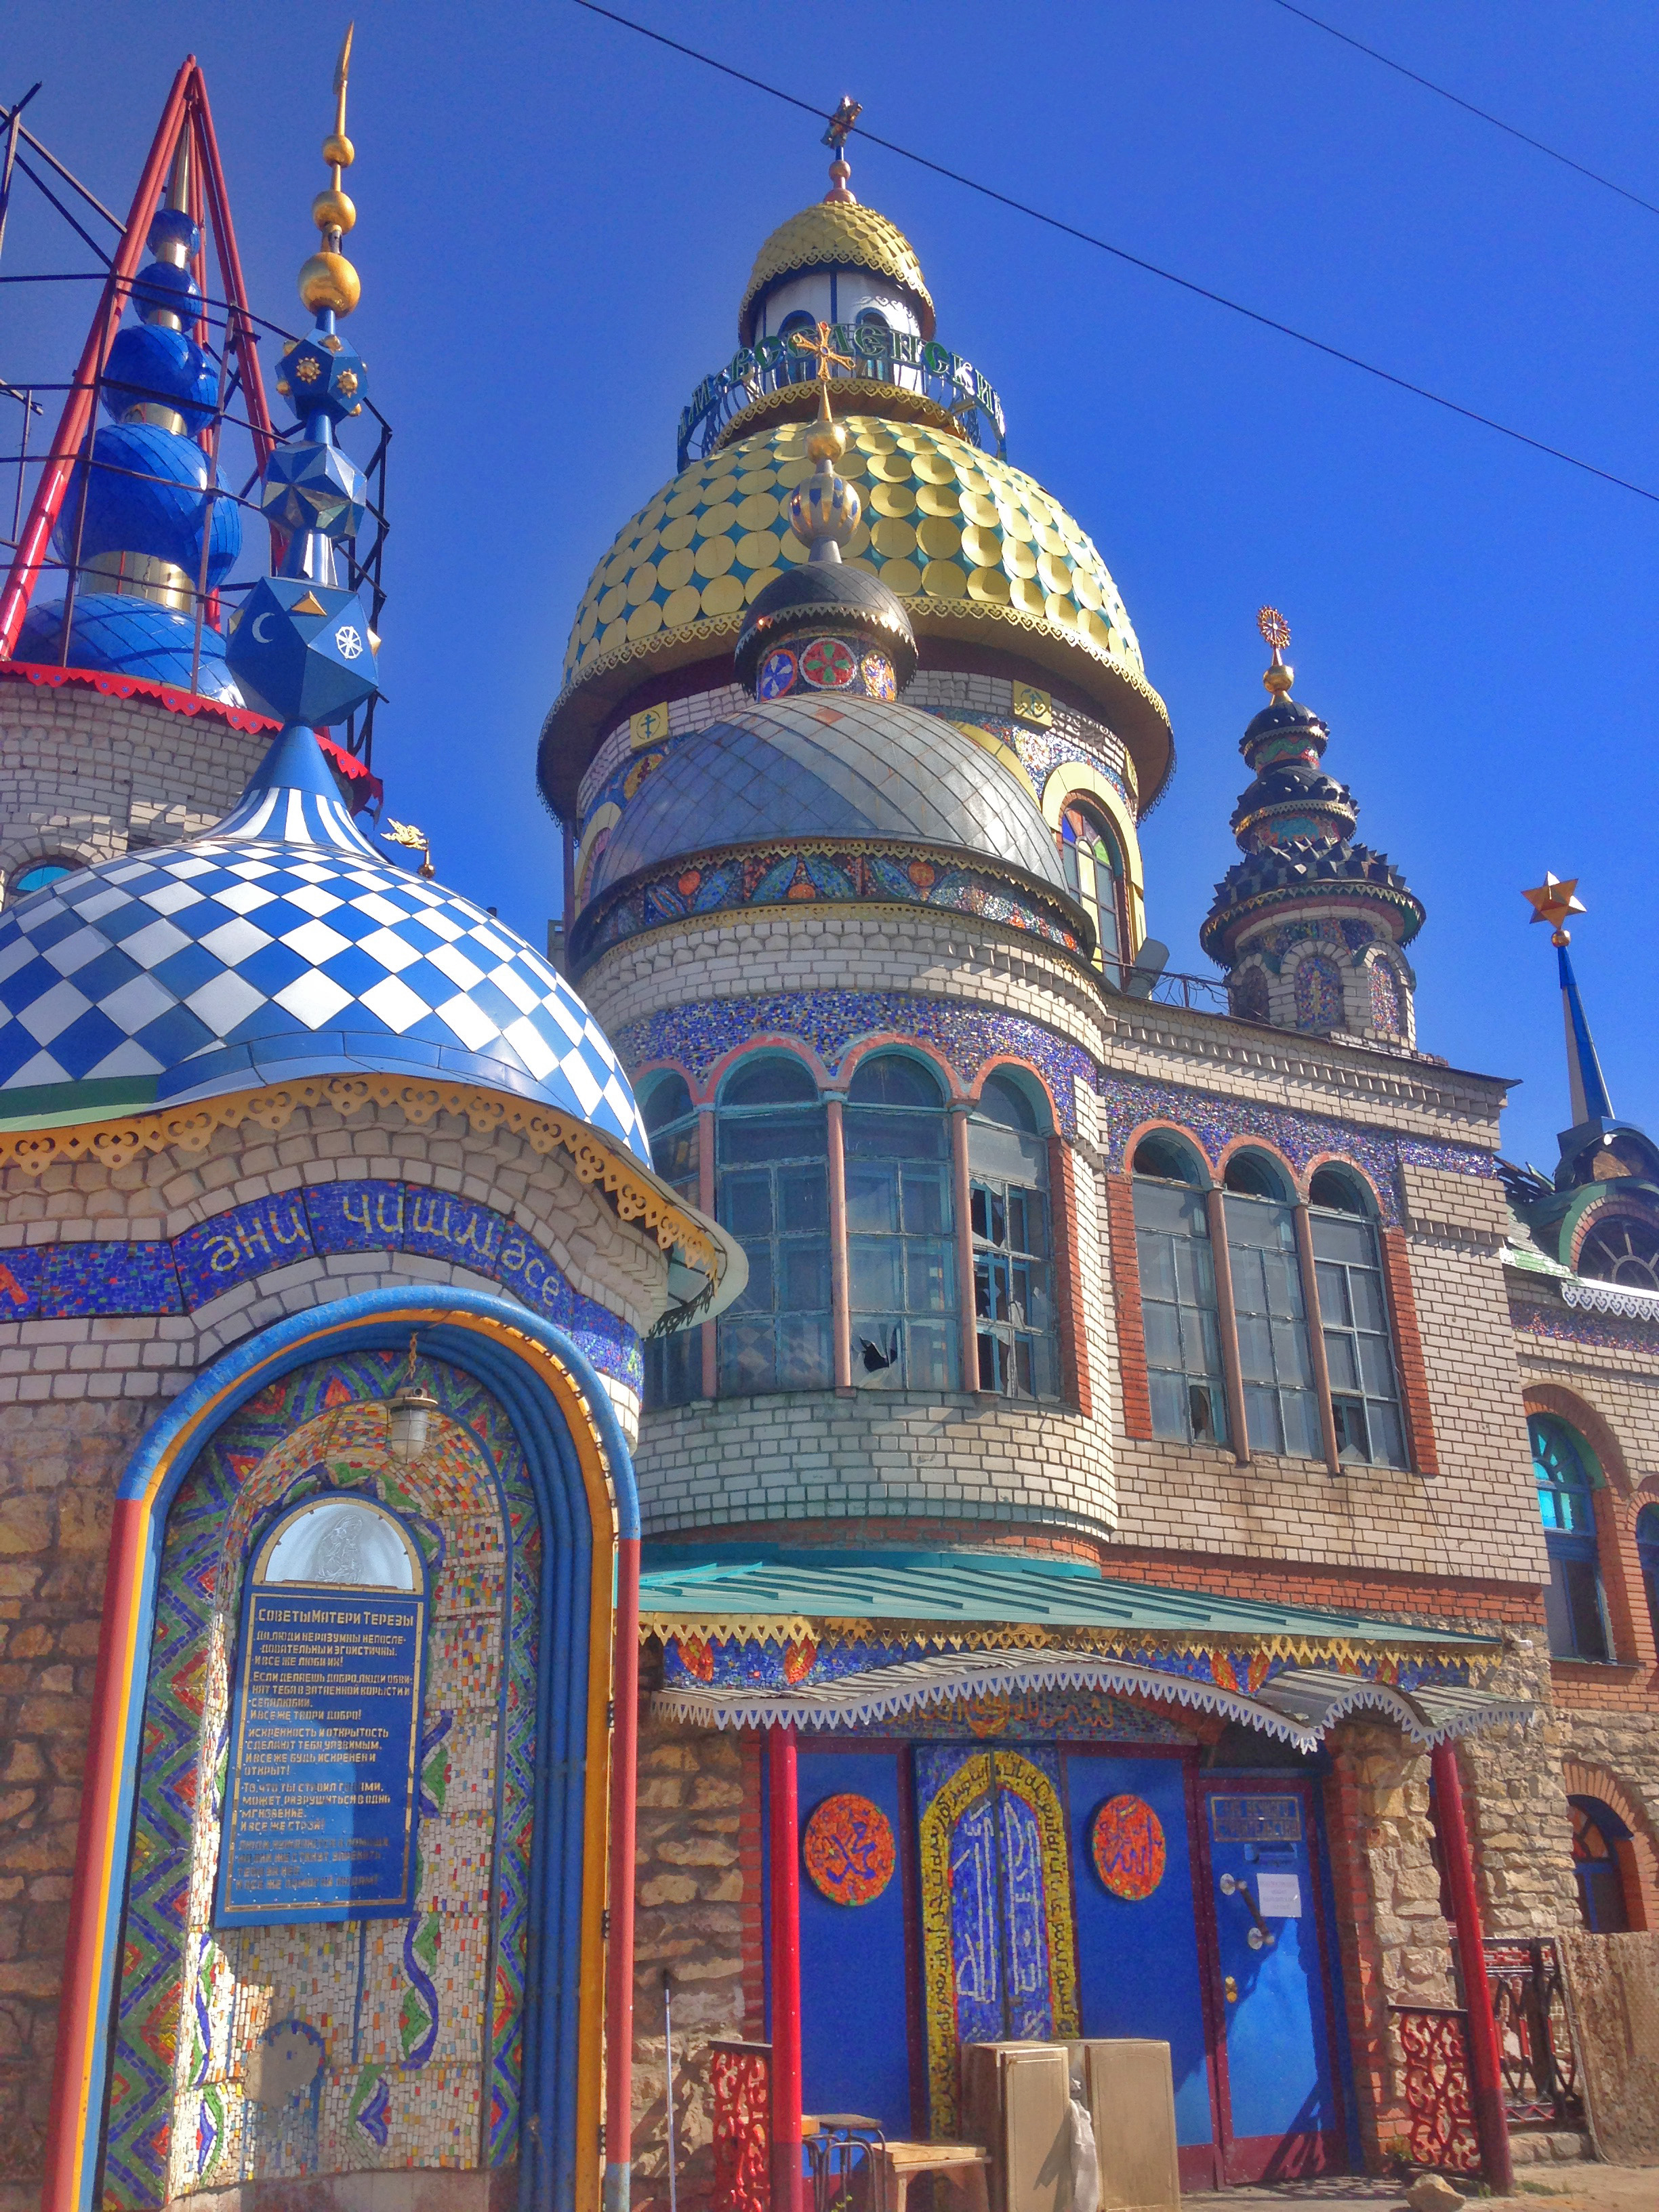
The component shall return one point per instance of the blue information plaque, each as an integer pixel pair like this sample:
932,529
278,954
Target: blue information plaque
321,1798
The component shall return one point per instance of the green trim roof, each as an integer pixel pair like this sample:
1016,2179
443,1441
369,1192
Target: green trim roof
765,1590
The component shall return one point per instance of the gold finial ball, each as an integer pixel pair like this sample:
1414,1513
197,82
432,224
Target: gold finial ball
329,281
826,440
332,210
1279,678
339,151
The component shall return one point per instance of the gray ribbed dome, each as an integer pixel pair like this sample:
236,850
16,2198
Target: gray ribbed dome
823,766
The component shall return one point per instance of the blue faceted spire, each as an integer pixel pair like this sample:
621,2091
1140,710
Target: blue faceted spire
301,647
1586,1083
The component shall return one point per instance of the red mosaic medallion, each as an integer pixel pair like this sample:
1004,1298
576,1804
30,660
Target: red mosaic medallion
827,665
1126,1839
848,1851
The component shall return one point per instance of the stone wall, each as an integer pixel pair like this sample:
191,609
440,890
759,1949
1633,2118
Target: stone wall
85,775
697,1898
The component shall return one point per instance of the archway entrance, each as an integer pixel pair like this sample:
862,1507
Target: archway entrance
1597,1863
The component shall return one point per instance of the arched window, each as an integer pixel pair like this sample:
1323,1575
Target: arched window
797,367
1250,1002
1318,993
1624,1249
1354,1315
771,1190
1647,1552
901,1255
1385,997
1566,1504
1089,852
36,876
1275,1365
1597,1833
673,1364
1178,1294
1014,1301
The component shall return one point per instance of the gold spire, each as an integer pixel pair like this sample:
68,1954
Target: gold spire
328,282
823,512
1552,901
1276,631
840,193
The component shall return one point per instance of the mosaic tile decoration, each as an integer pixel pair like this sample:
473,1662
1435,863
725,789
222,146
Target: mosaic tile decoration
61,1281
693,1038
1561,1325
796,875
417,2026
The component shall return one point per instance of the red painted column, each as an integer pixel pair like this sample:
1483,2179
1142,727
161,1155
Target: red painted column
619,1953
1485,2073
786,1971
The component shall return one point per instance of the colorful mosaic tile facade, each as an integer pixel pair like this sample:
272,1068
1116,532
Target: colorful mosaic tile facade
50,1282
289,2051
693,1038
796,875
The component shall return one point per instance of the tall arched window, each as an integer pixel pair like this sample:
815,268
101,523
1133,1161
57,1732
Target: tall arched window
1178,1294
1093,863
1013,1300
1275,1365
1647,1552
1597,1833
1622,1247
771,1190
1354,1315
1566,1504
901,1257
1318,993
673,1364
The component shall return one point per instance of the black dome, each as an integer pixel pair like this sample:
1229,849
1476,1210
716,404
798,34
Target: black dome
826,595
1282,717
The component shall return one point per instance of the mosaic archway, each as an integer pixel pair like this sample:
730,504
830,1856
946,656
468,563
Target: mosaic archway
409,2032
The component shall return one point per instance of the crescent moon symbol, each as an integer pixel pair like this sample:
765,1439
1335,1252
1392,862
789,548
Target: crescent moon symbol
260,638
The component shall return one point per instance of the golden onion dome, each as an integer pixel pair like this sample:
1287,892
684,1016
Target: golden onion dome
836,235
977,551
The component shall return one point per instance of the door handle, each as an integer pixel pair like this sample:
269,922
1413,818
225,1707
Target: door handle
1231,1988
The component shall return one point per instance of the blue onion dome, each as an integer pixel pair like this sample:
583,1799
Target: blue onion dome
804,767
148,494
149,367
132,636
281,945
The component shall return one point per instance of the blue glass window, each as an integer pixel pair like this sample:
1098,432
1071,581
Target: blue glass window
673,1364
901,1255
1647,1551
1566,1505
771,1189
37,877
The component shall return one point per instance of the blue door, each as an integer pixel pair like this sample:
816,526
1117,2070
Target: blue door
855,2044
1280,2111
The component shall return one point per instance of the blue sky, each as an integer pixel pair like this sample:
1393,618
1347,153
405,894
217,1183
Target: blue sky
556,223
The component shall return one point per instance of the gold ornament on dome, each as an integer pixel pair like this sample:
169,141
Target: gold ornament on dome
1552,902
1276,632
328,282
838,234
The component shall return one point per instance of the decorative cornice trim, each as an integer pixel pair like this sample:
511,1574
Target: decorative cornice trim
170,696
192,1128
1609,1298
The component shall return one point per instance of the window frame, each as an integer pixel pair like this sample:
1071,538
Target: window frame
1647,1560
1193,1379
673,1361
1006,1273
1351,1403
915,1247
1120,958
786,1246
1568,1594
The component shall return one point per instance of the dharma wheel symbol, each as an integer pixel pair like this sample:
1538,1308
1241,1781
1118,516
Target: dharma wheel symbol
349,643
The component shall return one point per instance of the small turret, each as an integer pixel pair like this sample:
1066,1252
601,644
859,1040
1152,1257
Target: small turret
1309,924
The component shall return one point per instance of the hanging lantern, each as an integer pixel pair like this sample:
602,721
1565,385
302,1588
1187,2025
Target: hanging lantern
410,1411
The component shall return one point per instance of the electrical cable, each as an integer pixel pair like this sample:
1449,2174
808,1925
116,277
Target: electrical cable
1467,106
1137,261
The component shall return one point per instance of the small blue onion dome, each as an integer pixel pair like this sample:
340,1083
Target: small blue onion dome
151,366
148,494
131,636
172,228
163,289
281,945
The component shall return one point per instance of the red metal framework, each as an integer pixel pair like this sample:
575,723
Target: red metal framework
741,2077
185,119
1443,2132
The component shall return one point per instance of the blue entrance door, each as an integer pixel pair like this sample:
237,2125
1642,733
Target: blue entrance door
1279,2111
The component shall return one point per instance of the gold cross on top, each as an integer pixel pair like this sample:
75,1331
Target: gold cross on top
820,348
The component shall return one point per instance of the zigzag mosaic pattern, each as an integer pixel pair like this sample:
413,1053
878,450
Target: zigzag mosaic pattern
417,2026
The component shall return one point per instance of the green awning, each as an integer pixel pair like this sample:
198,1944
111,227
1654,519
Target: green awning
951,1598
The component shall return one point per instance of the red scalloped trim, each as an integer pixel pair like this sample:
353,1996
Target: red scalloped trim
118,686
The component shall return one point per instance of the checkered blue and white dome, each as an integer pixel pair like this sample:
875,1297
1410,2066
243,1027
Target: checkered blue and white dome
279,945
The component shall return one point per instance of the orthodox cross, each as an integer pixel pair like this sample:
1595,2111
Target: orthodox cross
820,348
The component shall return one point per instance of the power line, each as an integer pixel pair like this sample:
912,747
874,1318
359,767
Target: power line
1136,261
1467,106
